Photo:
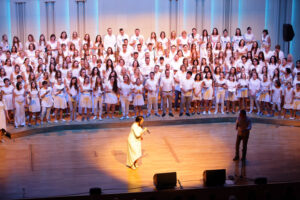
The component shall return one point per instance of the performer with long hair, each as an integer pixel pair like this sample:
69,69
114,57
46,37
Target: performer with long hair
134,149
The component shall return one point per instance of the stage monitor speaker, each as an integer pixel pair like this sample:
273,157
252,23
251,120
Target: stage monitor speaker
288,32
261,181
165,180
214,177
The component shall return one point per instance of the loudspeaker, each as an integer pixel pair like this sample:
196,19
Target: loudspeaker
214,177
165,180
261,181
288,32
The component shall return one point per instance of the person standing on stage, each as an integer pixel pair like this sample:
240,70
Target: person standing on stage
243,126
134,148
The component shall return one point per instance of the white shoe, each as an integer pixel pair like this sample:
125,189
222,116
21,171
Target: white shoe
209,112
107,117
62,120
127,117
204,112
122,118
250,112
55,121
222,112
42,122
100,119
216,112
112,117
282,117
292,117
94,117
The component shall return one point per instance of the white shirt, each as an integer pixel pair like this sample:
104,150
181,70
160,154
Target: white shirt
254,84
167,84
151,85
120,40
109,41
187,84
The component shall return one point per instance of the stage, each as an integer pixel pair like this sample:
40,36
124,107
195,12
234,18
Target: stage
70,162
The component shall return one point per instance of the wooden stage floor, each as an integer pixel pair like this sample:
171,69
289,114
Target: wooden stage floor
70,162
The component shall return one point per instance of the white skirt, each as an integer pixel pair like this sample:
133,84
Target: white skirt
296,104
7,100
60,102
86,101
111,98
265,97
138,100
208,94
35,105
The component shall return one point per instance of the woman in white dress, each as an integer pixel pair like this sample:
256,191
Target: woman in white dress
59,97
242,94
86,98
34,102
288,100
72,90
220,84
19,103
237,38
47,101
208,93
197,93
249,38
98,92
2,117
7,91
231,93
254,87
111,99
215,37
134,148
265,39
138,100
125,96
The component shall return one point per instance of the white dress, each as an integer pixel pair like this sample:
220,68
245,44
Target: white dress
288,98
208,89
264,92
60,101
134,147
2,116
34,105
85,97
138,98
197,88
7,97
110,95
231,91
296,100
20,107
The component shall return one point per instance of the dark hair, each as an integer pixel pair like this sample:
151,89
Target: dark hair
18,85
45,82
190,73
139,118
75,85
243,112
266,31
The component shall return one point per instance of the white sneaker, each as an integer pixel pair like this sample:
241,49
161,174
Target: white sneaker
63,120
100,119
204,112
122,118
216,112
209,112
42,122
112,117
292,117
127,117
250,112
222,112
55,121
94,117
